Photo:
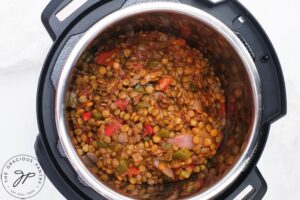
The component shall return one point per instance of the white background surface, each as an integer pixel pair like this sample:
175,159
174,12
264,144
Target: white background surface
24,44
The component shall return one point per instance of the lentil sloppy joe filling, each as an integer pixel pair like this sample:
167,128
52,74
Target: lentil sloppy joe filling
145,109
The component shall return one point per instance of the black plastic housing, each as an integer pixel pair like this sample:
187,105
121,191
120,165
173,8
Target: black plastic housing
57,167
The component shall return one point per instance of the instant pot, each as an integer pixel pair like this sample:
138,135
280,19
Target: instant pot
227,34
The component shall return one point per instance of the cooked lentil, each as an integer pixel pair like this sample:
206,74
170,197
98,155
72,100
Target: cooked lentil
146,110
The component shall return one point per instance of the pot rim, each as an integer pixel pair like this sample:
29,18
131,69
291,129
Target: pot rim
198,14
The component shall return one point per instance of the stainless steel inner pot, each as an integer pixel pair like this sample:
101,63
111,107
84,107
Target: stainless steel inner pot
231,61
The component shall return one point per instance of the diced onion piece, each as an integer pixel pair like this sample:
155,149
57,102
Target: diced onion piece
87,161
183,141
123,138
92,157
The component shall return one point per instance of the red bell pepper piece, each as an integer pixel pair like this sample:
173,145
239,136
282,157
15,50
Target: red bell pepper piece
190,167
103,56
112,128
165,82
133,171
148,130
86,116
121,104
109,130
180,42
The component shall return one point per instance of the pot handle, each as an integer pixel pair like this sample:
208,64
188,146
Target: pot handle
254,187
59,14
51,171
268,66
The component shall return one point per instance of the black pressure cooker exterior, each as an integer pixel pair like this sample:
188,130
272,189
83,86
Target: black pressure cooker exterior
47,146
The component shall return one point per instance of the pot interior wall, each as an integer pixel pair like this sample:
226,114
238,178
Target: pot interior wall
235,81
